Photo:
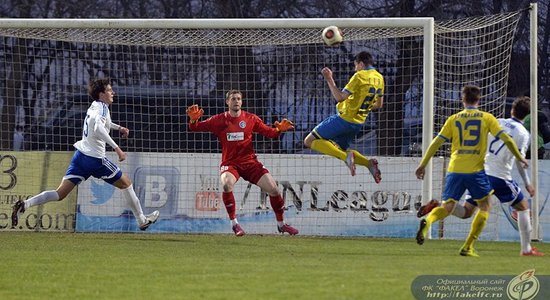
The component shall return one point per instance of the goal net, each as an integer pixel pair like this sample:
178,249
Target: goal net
160,67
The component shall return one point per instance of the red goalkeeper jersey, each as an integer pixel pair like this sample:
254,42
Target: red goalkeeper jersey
235,134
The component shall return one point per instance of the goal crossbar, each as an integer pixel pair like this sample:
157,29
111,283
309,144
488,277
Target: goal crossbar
215,23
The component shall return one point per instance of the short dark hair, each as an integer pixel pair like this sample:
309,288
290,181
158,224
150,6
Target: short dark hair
471,94
97,86
365,58
231,92
521,107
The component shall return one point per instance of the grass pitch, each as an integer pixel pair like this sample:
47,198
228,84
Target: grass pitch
177,266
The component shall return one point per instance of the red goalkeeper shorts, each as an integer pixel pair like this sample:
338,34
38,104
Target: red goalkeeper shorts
250,171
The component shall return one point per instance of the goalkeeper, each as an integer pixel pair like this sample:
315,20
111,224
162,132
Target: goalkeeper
363,93
234,129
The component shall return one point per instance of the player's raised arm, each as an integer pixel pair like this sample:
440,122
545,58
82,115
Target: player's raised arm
284,125
379,103
336,93
272,132
194,112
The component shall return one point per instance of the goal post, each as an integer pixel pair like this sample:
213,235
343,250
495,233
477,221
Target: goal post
159,67
536,234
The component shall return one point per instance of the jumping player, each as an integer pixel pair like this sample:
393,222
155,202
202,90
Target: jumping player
363,93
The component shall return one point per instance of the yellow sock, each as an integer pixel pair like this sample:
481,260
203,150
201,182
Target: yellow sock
328,148
438,213
478,223
360,159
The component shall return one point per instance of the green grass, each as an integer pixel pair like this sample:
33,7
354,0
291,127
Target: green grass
155,266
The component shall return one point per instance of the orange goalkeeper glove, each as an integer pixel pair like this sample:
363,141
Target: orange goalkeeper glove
284,125
194,113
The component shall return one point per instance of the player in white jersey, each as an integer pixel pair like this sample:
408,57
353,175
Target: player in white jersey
498,167
89,158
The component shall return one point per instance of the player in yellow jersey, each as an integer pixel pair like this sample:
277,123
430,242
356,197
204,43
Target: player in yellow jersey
363,93
468,133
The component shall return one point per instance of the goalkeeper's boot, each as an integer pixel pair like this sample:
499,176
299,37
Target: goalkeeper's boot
18,209
238,230
533,252
350,162
469,252
288,229
150,219
427,208
421,233
373,169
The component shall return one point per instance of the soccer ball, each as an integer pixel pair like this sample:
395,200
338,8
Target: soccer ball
332,36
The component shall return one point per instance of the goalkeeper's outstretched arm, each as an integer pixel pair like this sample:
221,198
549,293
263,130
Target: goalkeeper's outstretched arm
195,113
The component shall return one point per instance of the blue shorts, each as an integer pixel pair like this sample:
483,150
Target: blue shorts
337,130
83,166
457,183
507,191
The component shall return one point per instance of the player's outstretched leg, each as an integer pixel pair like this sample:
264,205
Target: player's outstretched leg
374,170
17,209
427,208
46,196
371,164
350,162
150,219
422,231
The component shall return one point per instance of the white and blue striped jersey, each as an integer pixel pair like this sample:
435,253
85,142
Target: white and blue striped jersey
95,131
499,160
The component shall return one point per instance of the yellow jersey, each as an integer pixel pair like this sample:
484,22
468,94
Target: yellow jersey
467,131
364,87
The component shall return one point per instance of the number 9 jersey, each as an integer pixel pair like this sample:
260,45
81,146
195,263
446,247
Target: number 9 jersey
468,133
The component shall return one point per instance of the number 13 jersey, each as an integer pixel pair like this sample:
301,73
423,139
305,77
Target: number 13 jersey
468,133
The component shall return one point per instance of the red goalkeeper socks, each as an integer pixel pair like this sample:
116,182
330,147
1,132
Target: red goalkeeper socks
278,205
229,202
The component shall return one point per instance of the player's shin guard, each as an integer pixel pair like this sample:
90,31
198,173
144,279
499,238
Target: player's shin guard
133,202
524,226
459,211
478,223
438,213
360,159
229,202
328,148
278,205
42,198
